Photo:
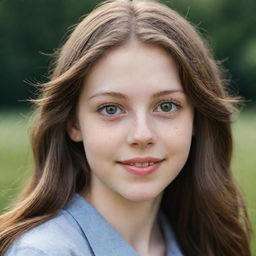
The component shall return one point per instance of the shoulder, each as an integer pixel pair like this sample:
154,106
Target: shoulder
60,235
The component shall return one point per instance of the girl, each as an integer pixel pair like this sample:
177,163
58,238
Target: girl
132,145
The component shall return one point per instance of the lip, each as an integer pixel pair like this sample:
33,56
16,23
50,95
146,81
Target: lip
141,160
141,171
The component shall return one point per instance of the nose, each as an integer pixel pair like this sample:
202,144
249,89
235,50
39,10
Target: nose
141,133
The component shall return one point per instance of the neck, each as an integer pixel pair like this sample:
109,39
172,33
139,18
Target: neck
136,222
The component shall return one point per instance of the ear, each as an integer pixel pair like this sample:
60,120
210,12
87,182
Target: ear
73,130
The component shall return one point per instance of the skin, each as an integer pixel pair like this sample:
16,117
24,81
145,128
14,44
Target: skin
138,126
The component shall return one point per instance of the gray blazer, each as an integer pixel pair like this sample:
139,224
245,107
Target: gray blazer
79,230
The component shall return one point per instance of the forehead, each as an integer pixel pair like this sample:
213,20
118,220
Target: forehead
133,68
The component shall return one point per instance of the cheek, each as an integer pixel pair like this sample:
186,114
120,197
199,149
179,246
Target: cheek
101,140
177,137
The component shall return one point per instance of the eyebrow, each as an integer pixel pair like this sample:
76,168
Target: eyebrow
122,96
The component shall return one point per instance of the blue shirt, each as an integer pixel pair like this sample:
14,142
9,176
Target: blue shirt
80,230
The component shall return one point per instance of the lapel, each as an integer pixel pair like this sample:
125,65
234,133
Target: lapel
102,237
172,247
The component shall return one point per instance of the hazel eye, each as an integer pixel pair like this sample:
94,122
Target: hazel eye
110,110
167,106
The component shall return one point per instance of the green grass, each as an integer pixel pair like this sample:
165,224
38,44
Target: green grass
244,162
15,154
16,159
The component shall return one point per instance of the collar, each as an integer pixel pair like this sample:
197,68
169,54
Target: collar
172,247
103,238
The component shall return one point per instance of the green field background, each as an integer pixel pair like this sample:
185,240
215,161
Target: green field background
16,160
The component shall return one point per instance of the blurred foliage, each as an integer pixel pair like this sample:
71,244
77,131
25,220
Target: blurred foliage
29,28
229,27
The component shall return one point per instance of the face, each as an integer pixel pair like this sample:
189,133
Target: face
133,106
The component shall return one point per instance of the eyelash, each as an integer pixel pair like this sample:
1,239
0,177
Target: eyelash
174,102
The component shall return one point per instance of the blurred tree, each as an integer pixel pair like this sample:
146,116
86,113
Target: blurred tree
229,27
29,28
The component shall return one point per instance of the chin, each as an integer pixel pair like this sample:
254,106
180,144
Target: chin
138,196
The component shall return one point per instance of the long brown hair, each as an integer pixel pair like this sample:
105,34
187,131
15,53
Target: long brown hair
203,204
